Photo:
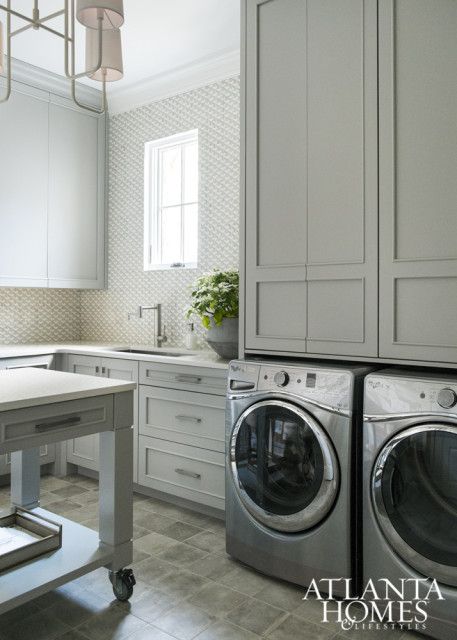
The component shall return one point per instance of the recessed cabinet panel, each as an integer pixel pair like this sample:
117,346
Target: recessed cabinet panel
75,212
418,179
336,146
336,313
281,310
426,312
23,190
281,132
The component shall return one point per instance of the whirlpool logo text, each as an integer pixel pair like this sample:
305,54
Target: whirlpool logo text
382,604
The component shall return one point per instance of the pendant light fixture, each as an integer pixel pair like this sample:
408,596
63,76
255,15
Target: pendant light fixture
102,20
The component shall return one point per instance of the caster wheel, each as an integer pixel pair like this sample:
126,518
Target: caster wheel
123,582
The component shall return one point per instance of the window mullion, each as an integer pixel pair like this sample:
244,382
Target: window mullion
183,178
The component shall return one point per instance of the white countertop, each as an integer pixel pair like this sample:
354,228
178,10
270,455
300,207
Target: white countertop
191,358
21,388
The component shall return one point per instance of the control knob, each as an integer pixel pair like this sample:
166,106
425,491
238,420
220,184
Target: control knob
447,398
281,378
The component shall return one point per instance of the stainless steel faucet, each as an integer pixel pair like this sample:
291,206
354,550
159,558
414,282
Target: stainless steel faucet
159,334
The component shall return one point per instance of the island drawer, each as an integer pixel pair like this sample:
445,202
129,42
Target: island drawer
201,379
26,428
195,419
188,472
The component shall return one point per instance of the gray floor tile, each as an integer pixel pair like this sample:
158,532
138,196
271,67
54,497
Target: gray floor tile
255,616
40,626
245,580
217,599
151,604
208,541
282,595
181,554
72,635
152,521
151,633
214,566
69,491
153,570
77,607
184,621
180,531
20,613
154,543
226,631
181,584
293,628
112,624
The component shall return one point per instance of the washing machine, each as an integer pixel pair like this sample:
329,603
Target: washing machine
410,488
291,437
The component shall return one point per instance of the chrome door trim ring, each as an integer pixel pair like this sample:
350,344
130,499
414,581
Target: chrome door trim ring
325,497
429,568
246,395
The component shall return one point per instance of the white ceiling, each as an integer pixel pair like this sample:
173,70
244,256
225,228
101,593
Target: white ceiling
159,36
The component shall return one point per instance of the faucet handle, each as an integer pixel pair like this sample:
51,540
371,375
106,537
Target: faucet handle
163,336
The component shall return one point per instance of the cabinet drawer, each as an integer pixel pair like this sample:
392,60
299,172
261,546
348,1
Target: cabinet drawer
195,419
24,428
171,376
188,472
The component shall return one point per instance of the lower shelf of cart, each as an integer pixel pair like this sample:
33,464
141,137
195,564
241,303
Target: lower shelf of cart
81,552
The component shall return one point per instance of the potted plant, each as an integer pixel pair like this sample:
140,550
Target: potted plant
215,301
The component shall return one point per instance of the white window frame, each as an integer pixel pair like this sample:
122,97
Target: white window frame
152,223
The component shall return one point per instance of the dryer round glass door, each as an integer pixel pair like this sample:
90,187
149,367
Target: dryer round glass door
283,466
414,490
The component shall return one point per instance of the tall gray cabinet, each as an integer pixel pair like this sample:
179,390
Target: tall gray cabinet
311,176
418,179
345,102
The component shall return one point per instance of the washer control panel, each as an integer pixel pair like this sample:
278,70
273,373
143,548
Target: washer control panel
409,393
329,387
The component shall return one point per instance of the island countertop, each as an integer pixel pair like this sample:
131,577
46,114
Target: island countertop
29,387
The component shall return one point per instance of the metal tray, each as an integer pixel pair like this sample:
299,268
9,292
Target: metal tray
31,536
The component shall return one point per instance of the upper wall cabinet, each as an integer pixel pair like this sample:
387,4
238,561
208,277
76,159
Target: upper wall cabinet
418,179
76,197
310,121
52,191
24,189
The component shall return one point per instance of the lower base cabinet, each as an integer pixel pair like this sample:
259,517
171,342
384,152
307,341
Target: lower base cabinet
183,471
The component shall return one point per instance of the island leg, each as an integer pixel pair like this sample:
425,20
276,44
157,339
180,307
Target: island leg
25,478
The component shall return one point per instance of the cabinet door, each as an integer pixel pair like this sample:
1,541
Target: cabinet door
84,451
126,370
76,198
274,87
341,169
311,176
24,189
86,365
418,179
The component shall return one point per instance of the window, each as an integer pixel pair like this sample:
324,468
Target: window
171,202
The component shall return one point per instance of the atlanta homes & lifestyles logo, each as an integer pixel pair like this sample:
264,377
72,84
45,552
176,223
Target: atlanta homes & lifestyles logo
382,605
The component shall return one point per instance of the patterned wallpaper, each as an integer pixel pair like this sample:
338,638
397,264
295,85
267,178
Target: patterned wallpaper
214,110
39,315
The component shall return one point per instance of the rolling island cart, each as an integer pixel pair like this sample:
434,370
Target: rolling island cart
39,407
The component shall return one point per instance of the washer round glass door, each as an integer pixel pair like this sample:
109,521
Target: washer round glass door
283,466
414,489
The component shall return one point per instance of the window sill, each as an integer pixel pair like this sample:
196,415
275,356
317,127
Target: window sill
169,267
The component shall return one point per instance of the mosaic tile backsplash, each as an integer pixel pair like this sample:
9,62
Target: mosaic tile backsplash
49,315
39,315
214,111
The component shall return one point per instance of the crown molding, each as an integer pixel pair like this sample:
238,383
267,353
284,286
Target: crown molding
26,74
176,81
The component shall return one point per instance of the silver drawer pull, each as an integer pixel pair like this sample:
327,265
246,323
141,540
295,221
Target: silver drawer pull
190,474
189,419
67,422
187,378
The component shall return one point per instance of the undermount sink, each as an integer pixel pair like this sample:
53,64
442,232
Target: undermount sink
153,352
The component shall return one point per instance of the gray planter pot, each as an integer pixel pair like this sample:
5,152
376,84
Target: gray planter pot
224,339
